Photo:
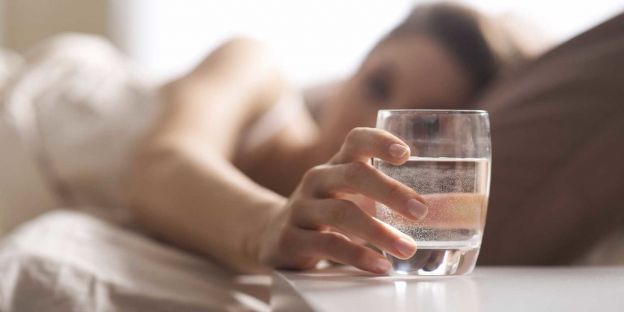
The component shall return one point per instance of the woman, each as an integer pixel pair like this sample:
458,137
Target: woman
200,183
235,167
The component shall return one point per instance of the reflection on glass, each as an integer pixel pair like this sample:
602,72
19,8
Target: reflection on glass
445,294
400,288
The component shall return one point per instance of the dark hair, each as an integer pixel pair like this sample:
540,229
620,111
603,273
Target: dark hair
480,46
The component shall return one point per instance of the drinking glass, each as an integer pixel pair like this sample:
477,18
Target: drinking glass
449,166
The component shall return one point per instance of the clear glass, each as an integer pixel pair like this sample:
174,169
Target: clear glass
450,166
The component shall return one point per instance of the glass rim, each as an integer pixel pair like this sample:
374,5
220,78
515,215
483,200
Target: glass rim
442,111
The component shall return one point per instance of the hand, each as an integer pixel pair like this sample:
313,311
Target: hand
318,223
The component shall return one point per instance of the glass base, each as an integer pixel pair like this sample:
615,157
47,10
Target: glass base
436,261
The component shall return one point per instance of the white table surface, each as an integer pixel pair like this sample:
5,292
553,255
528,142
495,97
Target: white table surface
486,289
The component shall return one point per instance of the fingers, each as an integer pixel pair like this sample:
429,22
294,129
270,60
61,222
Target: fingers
348,172
358,177
336,247
349,219
361,144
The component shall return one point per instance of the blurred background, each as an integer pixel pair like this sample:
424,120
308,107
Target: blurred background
313,40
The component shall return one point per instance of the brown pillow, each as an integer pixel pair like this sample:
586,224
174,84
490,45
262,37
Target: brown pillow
558,152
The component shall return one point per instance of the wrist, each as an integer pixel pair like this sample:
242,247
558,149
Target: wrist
266,219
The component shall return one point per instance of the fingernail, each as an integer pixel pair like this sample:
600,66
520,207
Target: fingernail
382,265
417,209
406,247
398,150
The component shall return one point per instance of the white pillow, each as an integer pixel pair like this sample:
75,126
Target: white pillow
69,120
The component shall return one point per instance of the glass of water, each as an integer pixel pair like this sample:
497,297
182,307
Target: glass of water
449,166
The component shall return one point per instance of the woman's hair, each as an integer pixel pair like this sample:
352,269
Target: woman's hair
481,46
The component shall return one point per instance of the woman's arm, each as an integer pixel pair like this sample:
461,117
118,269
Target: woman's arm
185,189
183,186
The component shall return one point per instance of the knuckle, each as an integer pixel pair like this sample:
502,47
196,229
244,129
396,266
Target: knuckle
356,137
313,174
378,237
395,190
376,231
355,133
358,253
356,171
341,213
330,242
347,205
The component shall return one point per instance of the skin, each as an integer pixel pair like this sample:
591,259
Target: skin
303,195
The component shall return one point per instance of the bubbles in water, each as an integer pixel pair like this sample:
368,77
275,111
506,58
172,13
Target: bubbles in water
455,192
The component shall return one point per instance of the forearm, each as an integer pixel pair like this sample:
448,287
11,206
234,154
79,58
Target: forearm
183,186
196,199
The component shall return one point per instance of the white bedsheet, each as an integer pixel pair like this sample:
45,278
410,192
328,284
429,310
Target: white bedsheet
70,261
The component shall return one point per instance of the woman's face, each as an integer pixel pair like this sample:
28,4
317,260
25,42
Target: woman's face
405,72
